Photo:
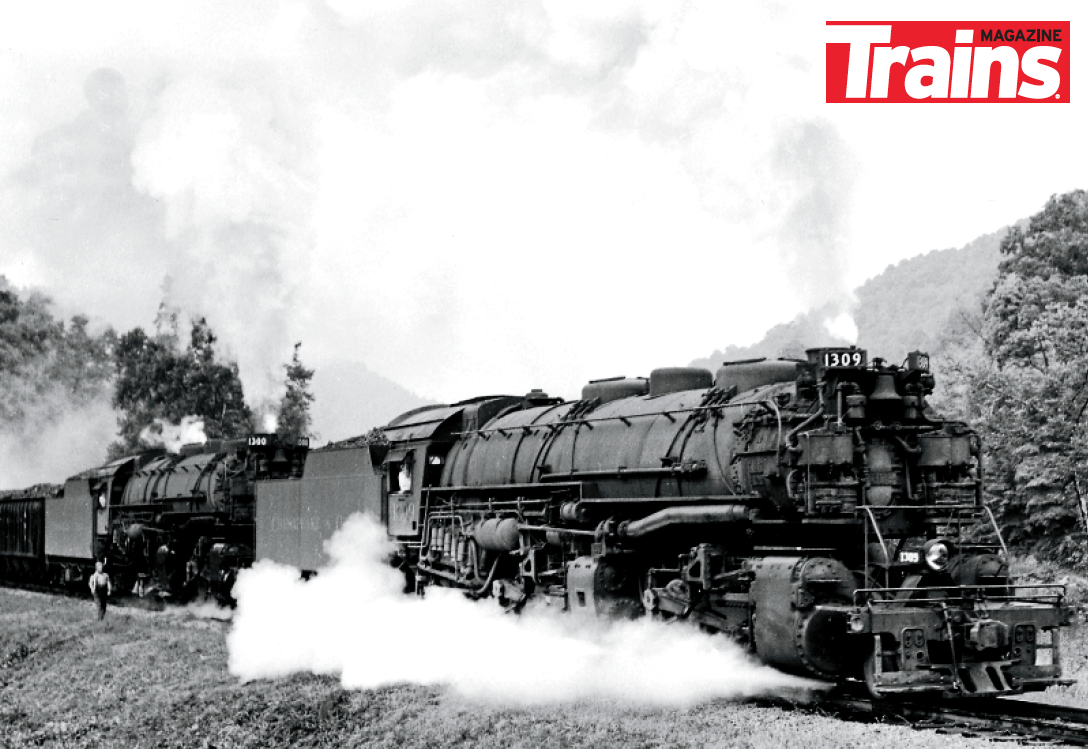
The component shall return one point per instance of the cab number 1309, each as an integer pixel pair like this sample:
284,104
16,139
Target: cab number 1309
844,358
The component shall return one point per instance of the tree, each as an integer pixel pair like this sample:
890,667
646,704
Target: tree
294,410
1027,389
156,379
46,367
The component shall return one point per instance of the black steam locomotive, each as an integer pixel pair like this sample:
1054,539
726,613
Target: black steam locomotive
817,511
168,525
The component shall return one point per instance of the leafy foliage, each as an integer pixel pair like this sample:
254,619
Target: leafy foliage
45,365
156,378
912,304
294,410
1026,386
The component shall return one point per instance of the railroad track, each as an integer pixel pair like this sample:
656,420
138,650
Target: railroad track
994,719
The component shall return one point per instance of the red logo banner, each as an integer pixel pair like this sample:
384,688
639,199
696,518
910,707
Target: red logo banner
947,61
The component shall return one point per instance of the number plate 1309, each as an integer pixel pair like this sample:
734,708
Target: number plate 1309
844,358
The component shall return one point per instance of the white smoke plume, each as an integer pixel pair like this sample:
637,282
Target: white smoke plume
173,437
228,161
269,422
59,438
351,175
816,174
354,620
193,185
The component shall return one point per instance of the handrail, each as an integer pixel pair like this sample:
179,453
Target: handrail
1058,589
997,530
879,536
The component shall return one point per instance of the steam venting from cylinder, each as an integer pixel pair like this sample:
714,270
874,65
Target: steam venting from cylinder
377,636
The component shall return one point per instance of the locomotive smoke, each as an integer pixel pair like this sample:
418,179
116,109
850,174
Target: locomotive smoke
350,174
57,439
173,436
228,162
354,620
817,171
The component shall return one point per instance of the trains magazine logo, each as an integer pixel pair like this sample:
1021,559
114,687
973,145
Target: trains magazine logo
947,61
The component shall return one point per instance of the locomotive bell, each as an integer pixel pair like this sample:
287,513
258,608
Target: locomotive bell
885,389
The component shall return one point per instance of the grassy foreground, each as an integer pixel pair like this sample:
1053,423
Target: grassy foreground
159,679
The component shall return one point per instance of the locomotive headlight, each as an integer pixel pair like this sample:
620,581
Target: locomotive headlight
936,553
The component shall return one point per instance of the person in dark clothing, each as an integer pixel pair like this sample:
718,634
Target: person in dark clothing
101,588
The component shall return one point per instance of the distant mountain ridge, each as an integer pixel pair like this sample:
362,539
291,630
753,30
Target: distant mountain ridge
350,399
912,303
907,307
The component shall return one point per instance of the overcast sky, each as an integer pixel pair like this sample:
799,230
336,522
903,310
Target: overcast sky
487,196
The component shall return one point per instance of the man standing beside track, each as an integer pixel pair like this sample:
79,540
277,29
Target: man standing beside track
101,588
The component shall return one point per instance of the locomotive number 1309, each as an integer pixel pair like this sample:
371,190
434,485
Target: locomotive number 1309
844,358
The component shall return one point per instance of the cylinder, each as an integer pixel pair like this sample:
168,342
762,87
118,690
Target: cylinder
571,512
498,534
792,631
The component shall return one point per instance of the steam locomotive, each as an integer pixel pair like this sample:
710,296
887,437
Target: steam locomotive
817,511
167,525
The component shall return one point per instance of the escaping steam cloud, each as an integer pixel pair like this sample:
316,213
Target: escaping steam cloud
162,433
354,620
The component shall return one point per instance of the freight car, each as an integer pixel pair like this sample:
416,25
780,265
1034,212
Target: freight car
168,525
22,531
817,511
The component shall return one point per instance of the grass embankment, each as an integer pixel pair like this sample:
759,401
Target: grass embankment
145,679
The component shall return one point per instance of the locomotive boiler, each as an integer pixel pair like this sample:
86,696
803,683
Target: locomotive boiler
817,511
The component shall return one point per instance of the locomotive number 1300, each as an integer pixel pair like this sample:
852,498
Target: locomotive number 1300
844,358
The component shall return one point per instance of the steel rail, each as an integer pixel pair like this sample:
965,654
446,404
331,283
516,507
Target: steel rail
1000,718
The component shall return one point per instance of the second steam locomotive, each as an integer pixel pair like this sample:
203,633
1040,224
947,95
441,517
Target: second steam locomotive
817,511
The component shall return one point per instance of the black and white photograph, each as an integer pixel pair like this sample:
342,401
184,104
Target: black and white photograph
563,374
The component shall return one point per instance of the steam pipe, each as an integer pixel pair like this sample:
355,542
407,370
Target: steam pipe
791,438
482,590
730,513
